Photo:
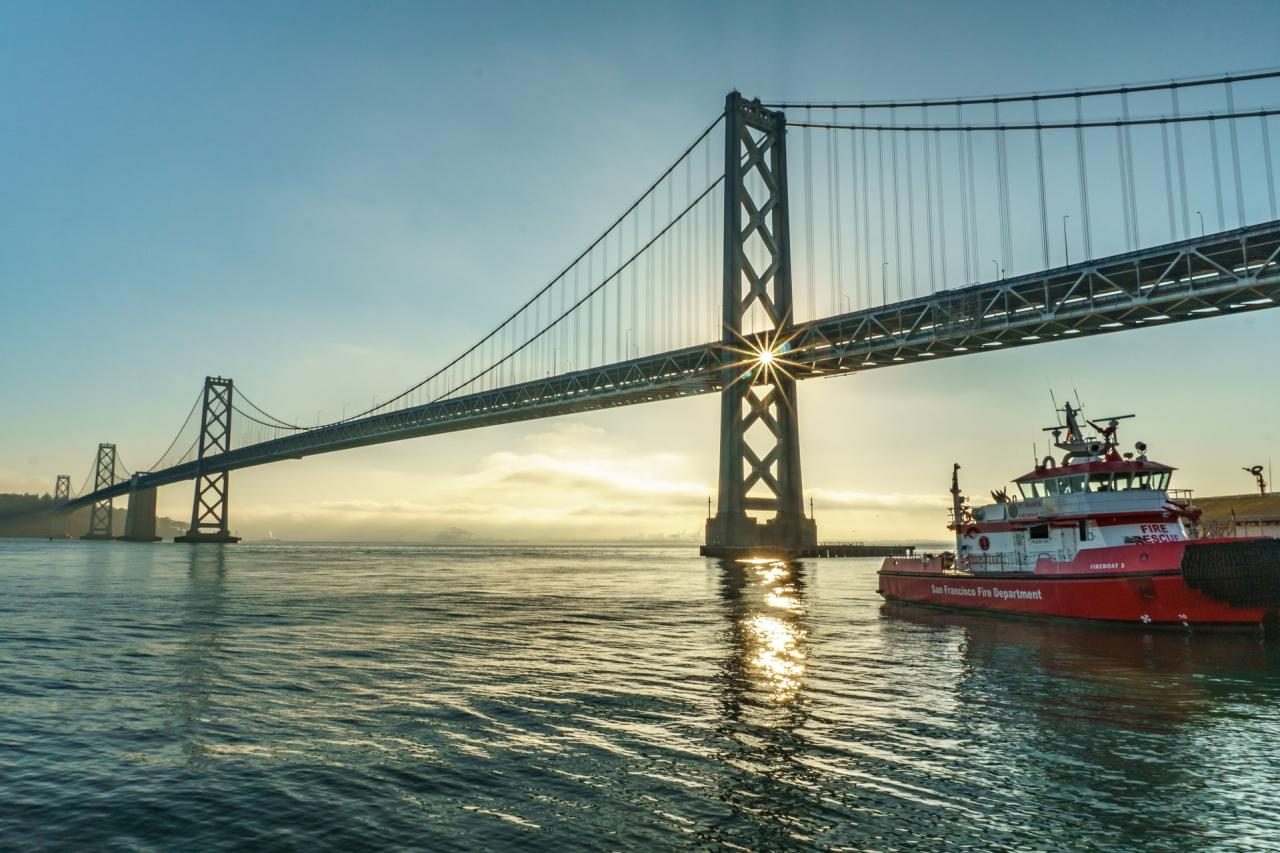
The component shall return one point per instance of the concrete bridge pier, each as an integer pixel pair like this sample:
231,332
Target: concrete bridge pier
140,519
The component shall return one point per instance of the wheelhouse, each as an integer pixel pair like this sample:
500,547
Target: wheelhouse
1074,480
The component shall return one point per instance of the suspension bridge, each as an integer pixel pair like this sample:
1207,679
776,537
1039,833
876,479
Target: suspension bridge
792,241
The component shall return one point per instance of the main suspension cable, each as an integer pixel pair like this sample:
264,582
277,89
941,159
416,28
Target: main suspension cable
1050,95
1044,125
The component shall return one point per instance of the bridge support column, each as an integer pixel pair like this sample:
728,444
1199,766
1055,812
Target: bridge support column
209,509
759,421
57,515
101,515
140,520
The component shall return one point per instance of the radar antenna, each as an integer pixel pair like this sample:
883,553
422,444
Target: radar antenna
1256,471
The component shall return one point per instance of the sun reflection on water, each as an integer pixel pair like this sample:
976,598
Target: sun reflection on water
774,640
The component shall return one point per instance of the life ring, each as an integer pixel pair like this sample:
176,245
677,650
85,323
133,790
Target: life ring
984,543
1012,510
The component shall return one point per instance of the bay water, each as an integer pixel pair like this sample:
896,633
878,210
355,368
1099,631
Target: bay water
349,696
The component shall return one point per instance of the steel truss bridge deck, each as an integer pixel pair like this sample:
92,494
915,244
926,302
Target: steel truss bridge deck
1214,275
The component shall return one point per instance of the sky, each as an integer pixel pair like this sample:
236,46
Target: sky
326,201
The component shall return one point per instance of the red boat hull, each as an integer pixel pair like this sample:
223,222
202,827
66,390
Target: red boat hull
1161,598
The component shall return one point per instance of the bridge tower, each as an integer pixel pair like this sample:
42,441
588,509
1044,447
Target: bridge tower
62,489
58,516
101,514
761,472
209,508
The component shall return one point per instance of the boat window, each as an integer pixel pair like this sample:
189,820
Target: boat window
1100,482
1160,481
1040,531
1073,485
1050,487
1123,480
1033,490
1141,480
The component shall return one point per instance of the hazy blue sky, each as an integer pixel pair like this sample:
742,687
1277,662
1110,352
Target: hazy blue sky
325,201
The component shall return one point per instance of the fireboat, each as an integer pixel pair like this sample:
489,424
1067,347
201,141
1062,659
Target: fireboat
1094,535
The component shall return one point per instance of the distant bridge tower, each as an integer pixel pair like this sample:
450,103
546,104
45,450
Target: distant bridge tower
100,516
58,517
62,489
766,477
209,508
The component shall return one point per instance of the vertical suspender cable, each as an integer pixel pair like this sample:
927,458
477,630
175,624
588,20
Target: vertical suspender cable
1235,156
808,215
1124,187
855,250
928,199
1044,213
1084,184
617,299
898,272
650,307
633,317
961,146
832,270
1168,180
1217,172
866,214
911,215
942,209
884,291
1266,156
688,316
1128,158
838,279
1002,186
604,302
591,310
709,278
679,245
973,208
1182,170
668,305
998,149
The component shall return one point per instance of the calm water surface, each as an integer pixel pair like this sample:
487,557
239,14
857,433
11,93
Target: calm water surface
293,696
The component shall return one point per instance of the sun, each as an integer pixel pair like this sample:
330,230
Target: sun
765,359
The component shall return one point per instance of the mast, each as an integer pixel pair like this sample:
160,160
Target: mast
957,509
